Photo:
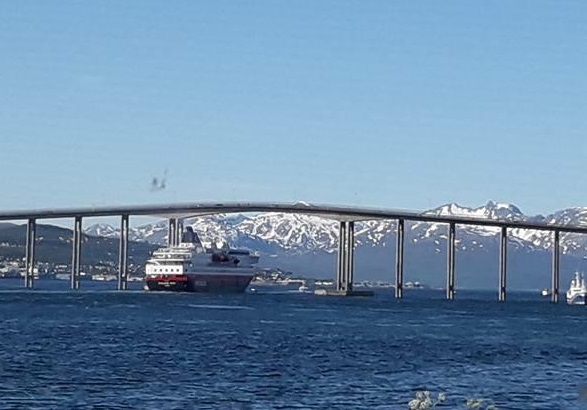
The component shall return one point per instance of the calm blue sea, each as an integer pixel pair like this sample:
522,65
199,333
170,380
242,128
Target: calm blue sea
101,349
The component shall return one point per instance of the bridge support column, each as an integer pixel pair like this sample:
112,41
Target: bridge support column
346,264
350,256
172,232
503,249
29,273
178,230
76,253
555,267
123,254
399,260
450,268
341,266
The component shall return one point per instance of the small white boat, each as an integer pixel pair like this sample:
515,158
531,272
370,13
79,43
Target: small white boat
304,287
577,293
545,292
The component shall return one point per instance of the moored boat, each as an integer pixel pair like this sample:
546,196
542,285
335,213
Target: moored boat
577,293
304,287
191,267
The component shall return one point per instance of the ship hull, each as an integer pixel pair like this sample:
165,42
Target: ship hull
577,299
199,282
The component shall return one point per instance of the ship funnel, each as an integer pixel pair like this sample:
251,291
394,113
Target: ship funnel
190,236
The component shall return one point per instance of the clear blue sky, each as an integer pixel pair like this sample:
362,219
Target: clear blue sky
401,104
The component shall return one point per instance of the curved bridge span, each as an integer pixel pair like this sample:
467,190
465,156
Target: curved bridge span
345,215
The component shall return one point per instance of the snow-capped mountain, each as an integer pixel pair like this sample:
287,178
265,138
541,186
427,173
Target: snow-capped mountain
104,230
306,233
282,238
291,231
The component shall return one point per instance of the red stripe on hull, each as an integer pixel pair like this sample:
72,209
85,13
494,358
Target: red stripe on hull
200,283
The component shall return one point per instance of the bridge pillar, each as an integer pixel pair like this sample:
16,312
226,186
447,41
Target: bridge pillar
555,267
172,232
29,273
341,266
450,274
178,230
350,256
503,249
123,254
399,260
76,253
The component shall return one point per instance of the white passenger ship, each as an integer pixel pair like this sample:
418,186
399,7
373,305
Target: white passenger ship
191,267
577,293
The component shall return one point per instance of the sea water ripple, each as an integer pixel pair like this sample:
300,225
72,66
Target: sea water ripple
115,350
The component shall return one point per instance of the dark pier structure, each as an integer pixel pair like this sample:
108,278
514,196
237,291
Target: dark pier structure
346,216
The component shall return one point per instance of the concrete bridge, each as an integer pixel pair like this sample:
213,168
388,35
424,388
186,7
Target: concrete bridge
346,216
